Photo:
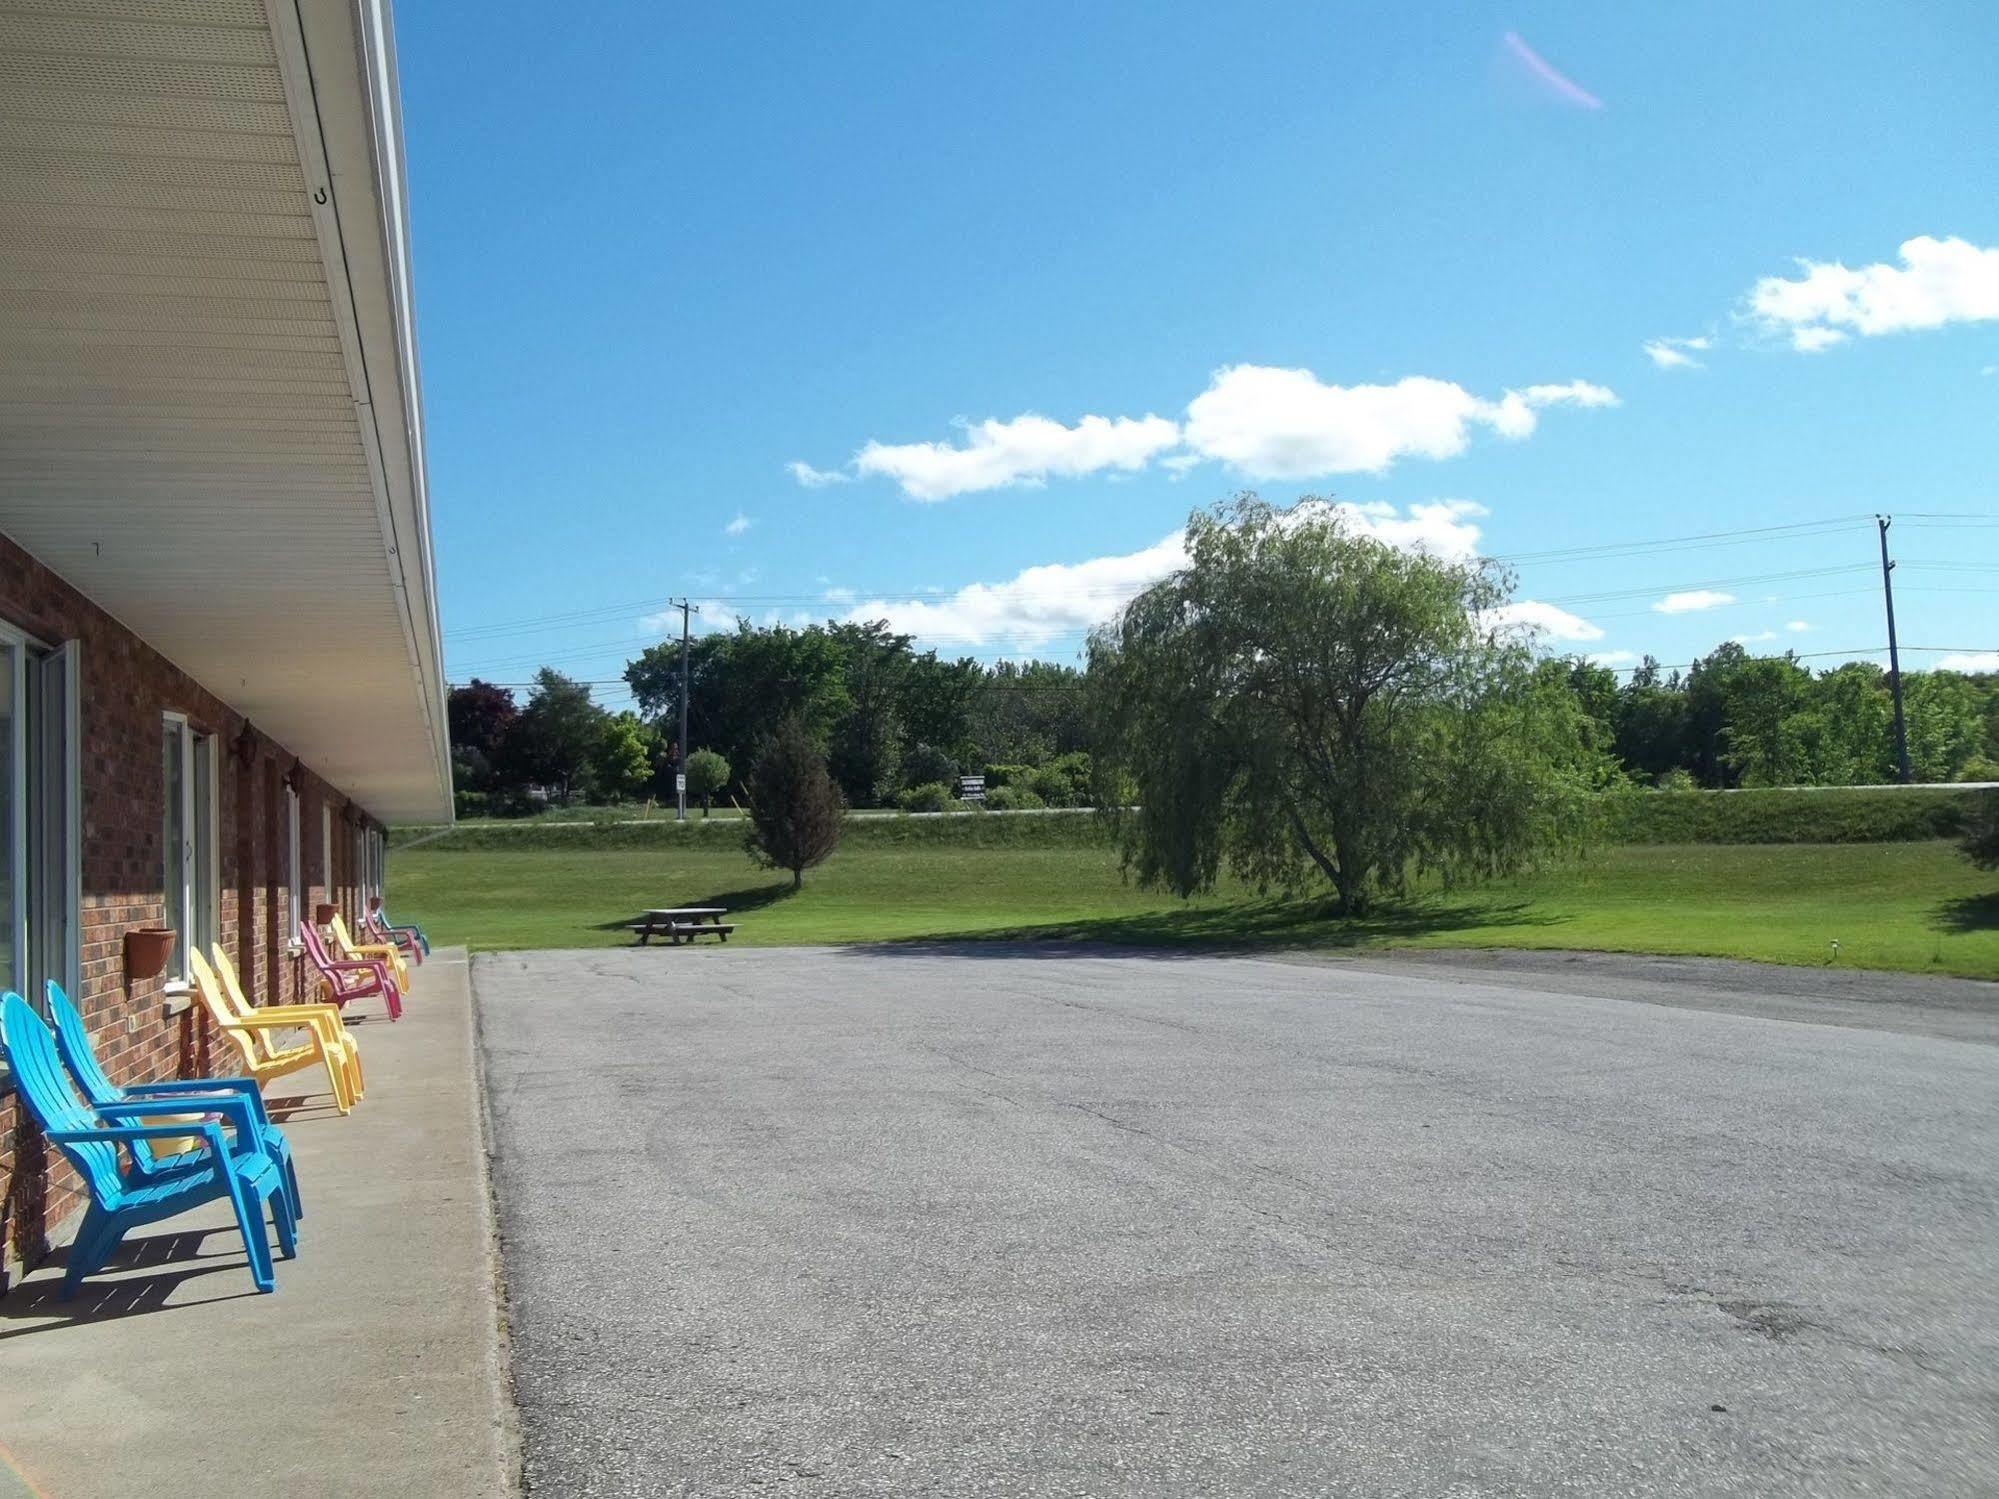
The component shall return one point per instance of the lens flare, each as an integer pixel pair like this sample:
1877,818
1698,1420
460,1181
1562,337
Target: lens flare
1552,78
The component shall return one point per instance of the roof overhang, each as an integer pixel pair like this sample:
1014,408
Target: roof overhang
210,411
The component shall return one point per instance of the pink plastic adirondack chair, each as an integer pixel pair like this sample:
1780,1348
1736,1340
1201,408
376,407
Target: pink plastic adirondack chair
405,941
348,978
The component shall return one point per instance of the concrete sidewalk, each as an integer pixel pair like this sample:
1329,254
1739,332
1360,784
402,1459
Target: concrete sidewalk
374,1369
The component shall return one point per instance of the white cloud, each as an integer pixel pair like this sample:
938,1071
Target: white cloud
1063,599
1026,450
815,478
1677,353
1939,281
1969,661
1288,424
1613,658
738,526
1798,626
1545,620
1693,601
1758,638
1037,604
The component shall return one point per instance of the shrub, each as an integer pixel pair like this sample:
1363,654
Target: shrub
1011,799
1007,775
932,796
1829,815
795,809
1679,778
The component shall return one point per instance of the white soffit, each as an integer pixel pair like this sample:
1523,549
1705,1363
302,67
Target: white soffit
209,413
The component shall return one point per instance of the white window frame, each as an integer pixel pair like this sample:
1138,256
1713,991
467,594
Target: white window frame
294,887
177,865
326,849
15,644
70,653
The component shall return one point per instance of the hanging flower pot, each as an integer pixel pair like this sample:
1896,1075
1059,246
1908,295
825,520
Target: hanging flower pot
323,913
147,949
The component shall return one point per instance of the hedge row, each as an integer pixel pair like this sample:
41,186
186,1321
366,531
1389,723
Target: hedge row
1837,815
1832,815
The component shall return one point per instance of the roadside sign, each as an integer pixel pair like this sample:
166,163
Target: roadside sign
680,783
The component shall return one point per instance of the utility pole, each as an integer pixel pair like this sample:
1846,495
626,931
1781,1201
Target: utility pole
1894,652
680,755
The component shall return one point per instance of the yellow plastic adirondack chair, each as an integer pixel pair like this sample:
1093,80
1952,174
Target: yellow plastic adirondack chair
386,952
262,1057
326,1016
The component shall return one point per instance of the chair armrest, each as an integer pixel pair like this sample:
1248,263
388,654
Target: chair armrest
232,1107
211,1136
244,1087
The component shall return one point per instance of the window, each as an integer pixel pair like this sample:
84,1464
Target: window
188,838
39,814
326,851
294,888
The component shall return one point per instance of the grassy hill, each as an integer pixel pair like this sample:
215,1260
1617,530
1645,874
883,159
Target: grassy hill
1914,906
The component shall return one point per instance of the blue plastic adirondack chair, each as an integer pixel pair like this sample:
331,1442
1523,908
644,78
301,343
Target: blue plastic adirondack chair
191,1094
90,1138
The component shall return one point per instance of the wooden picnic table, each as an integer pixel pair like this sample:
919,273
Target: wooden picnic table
684,923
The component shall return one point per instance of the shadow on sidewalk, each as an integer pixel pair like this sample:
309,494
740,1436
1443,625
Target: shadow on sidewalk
116,1291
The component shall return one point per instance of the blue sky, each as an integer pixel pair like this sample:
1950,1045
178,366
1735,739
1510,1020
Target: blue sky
665,253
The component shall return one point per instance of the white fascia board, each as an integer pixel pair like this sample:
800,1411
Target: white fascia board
339,66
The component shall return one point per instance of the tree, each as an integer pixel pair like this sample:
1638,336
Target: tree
1981,832
795,813
622,763
707,774
866,740
1301,698
480,716
556,734
1945,723
1761,700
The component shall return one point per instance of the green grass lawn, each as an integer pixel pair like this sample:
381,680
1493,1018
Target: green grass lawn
1919,907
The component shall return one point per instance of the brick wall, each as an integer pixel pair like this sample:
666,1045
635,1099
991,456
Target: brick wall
125,688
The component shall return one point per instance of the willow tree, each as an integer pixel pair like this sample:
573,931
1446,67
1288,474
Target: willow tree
1303,702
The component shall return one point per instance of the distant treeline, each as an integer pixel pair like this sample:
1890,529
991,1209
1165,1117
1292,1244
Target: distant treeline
899,725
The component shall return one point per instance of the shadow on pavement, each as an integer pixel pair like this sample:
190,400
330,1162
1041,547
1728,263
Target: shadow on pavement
115,1291
1196,932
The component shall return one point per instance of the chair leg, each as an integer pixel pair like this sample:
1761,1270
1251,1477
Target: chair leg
90,1249
250,1222
286,1223
336,1080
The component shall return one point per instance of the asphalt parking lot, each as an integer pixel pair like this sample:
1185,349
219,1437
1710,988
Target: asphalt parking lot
1053,1222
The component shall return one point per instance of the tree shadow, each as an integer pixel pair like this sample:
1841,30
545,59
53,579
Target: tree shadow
750,898
1968,913
1193,930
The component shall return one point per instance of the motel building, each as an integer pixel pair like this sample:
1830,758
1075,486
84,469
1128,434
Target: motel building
220,673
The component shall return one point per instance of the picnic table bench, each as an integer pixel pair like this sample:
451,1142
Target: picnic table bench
683,924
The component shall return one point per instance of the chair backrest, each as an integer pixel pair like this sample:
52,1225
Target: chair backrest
73,1042
210,993
40,1080
232,986
315,946
345,938
231,991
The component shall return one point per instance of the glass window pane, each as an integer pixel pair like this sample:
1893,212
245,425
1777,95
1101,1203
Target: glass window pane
10,818
173,840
